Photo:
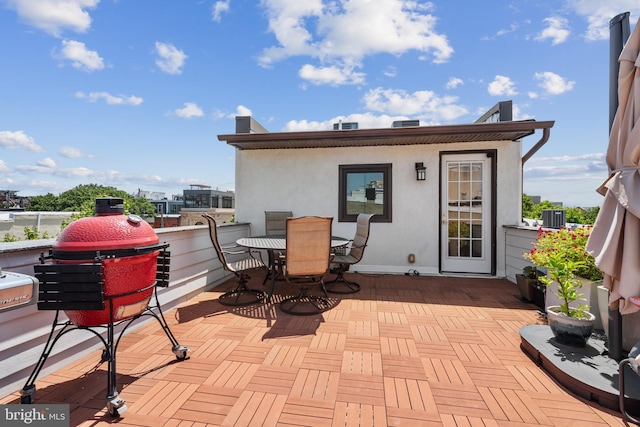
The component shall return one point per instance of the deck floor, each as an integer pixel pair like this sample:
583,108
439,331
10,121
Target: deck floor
404,351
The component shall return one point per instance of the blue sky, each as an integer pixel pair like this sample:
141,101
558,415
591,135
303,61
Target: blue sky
133,93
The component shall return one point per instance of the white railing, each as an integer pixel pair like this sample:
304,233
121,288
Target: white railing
24,331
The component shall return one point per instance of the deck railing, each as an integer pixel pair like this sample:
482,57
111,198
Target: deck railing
23,331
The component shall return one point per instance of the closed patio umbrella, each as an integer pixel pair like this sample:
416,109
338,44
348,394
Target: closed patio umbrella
615,239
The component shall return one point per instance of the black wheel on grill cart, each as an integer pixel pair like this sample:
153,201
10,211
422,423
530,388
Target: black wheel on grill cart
28,395
181,352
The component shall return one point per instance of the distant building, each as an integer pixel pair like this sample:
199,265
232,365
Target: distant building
187,209
202,196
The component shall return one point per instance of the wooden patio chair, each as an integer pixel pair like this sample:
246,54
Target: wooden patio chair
275,224
341,263
241,295
307,261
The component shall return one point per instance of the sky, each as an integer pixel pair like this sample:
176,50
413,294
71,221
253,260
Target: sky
133,93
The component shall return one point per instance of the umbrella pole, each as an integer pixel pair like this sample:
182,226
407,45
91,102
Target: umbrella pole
618,34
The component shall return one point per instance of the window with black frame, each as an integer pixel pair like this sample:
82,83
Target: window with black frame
365,189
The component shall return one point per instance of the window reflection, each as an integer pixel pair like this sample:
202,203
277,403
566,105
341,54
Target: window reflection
365,189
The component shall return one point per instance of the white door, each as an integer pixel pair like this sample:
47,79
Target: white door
465,212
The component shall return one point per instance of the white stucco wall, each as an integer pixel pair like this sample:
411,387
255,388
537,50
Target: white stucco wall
305,182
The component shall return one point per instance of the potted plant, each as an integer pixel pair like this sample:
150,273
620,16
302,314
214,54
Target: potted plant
562,253
527,282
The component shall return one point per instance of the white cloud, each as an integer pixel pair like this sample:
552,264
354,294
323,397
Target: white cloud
421,104
505,31
18,139
332,75
218,9
552,83
241,110
110,99
454,82
170,59
391,71
190,110
80,57
556,30
567,178
344,33
72,153
365,121
502,85
54,16
518,114
3,166
47,163
598,13
595,157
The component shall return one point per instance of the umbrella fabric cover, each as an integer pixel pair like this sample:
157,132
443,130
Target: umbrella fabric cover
615,239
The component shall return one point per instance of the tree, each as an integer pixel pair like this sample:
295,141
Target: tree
82,199
46,203
536,212
572,214
527,206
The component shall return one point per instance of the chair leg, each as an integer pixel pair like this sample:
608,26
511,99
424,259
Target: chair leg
621,374
304,304
242,295
340,285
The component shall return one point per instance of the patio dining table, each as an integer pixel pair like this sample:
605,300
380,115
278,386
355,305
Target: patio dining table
278,243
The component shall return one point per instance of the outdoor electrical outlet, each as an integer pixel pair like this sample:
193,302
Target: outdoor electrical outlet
411,258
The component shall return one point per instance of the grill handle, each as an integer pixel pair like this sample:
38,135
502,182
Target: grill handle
103,254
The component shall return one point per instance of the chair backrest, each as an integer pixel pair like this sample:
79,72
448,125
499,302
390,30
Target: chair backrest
308,246
213,233
275,222
363,225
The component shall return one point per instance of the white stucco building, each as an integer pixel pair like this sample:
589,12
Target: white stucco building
452,222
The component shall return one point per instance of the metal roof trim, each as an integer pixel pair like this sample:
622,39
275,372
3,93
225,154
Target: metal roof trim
497,131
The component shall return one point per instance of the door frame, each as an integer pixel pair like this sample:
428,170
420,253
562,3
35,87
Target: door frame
492,155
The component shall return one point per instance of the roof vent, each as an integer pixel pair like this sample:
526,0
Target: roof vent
406,123
345,126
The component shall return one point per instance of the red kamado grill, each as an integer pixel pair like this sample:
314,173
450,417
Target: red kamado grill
105,269
129,247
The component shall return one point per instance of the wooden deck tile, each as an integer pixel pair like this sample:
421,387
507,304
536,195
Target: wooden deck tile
315,384
356,414
413,351
366,389
361,363
327,360
328,341
273,379
399,346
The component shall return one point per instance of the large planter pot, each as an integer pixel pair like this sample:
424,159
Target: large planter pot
539,290
570,330
589,292
525,286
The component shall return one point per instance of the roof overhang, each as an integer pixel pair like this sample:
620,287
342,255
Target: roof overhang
476,132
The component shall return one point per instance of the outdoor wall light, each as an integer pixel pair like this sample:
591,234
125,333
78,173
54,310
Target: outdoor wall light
421,171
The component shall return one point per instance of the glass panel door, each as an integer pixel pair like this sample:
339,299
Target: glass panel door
466,219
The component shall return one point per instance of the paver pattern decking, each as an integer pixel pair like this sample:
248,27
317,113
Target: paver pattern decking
404,351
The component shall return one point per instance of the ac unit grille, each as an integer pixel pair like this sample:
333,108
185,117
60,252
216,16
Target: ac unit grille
554,218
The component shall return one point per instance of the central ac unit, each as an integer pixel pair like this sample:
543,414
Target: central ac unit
554,218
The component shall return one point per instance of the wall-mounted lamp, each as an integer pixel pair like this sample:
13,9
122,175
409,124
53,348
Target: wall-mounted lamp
421,171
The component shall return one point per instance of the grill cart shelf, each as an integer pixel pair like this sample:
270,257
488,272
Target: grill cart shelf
79,289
